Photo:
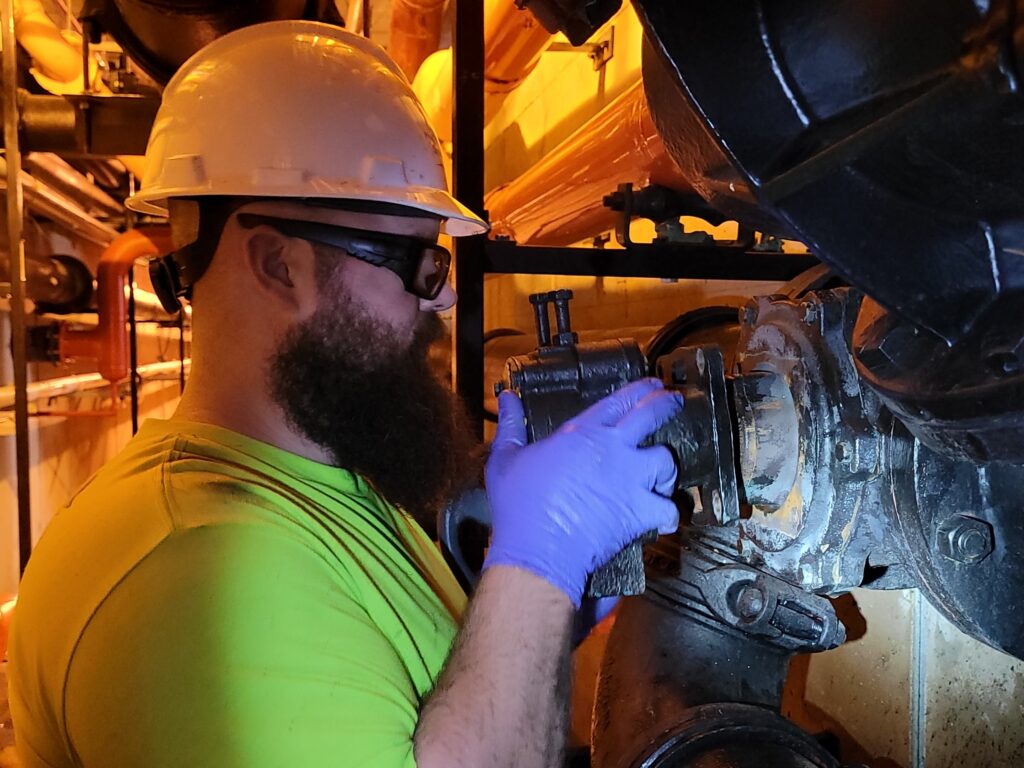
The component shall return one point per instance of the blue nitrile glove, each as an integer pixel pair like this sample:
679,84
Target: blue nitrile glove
565,505
593,610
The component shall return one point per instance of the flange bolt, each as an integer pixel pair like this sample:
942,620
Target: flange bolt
965,539
750,602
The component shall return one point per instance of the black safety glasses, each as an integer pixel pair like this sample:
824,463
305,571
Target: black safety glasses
421,264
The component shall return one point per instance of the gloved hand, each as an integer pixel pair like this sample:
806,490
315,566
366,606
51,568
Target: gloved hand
593,610
565,505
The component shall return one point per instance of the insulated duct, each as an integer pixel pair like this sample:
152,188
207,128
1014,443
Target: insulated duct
513,43
415,32
559,201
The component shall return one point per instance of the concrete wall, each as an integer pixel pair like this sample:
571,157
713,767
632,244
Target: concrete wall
911,690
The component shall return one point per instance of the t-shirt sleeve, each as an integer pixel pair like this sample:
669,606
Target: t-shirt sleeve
235,645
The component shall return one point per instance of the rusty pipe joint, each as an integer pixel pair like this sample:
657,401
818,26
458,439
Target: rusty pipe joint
107,343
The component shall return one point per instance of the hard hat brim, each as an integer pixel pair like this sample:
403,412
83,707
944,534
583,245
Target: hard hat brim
457,219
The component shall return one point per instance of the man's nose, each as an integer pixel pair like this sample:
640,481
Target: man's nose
444,300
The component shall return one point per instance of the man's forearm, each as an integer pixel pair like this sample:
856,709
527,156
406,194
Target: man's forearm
502,699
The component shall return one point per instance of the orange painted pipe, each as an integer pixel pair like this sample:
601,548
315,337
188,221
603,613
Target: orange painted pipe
7,605
559,200
513,43
107,343
415,32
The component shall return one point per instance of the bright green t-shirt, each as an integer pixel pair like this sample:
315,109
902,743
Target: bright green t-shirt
210,600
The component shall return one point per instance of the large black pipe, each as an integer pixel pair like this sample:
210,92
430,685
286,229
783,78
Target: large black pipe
161,34
57,284
660,662
694,668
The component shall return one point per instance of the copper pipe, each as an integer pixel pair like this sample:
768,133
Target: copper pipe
513,43
559,200
108,342
415,32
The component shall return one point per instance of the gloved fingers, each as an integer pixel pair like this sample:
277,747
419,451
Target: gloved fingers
609,410
654,410
511,432
592,611
660,513
601,607
660,467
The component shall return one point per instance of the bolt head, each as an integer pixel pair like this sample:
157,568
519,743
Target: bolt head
716,504
750,602
843,451
972,545
678,372
965,539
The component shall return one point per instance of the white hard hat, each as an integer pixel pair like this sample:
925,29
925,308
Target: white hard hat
296,109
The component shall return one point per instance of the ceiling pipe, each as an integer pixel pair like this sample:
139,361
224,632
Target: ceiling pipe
108,342
50,204
415,32
147,308
50,169
69,385
559,201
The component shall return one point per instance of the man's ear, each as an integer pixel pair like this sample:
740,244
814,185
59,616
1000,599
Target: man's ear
279,268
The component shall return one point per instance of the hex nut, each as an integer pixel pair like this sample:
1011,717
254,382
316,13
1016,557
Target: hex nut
965,539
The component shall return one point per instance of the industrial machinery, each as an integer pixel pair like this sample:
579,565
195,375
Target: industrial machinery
797,483
867,435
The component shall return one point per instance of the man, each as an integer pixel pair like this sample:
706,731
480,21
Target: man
238,587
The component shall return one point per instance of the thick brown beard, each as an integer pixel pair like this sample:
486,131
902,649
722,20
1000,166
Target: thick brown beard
347,384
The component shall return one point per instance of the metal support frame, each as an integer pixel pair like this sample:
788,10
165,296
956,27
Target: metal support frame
468,186
476,257
693,262
16,249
